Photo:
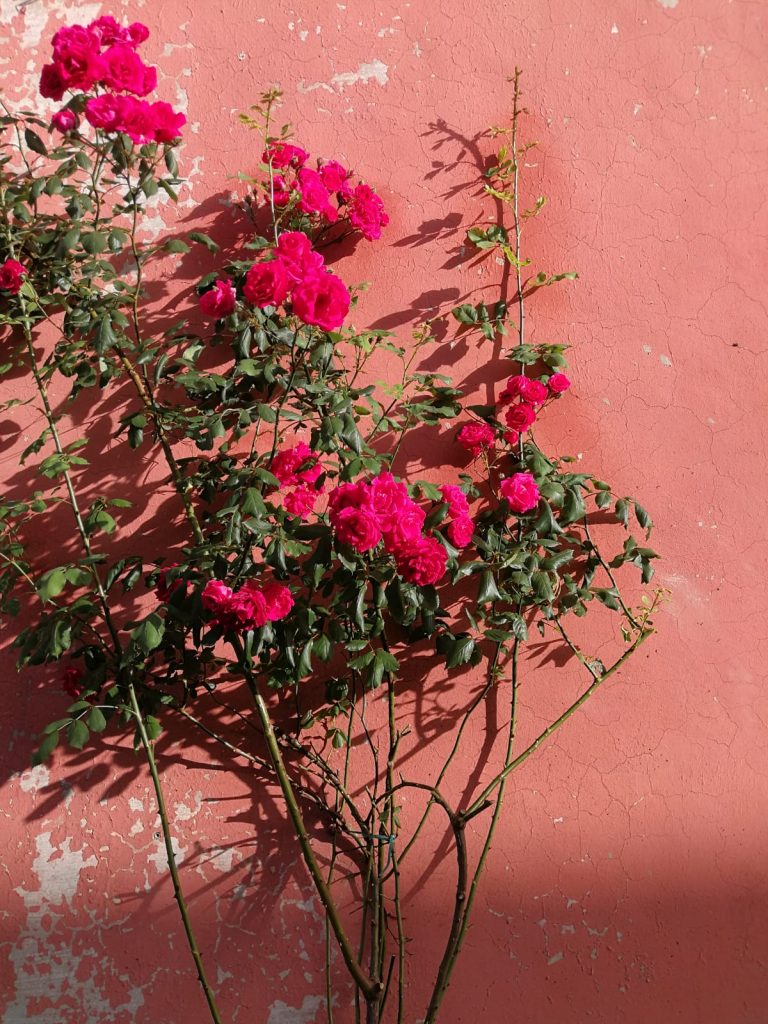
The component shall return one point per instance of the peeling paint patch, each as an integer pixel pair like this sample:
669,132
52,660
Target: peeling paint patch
373,71
34,779
668,3
281,1013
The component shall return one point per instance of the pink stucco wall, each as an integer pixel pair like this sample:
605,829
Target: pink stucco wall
628,882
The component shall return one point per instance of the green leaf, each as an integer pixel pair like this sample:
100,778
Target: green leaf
542,586
96,720
153,727
46,748
77,734
149,633
622,511
175,245
460,652
51,584
388,662
573,506
34,142
206,240
643,518
488,590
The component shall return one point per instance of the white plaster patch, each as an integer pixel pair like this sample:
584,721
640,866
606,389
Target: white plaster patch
33,779
665,360
372,71
281,1013
668,3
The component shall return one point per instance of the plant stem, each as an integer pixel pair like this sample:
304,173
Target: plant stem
172,866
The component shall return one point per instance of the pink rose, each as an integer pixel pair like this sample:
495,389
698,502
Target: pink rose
455,499
215,596
512,437
388,497
405,528
126,71
348,495
520,417
301,501
266,284
521,492
53,82
218,301
106,112
315,197
527,388
358,527
76,53
137,121
63,121
334,176
475,437
72,682
460,531
166,123
279,600
106,30
135,34
12,274
558,383
293,466
366,212
283,154
322,300
297,255
423,562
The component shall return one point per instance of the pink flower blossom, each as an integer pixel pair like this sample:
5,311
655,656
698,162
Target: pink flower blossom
106,112
520,417
527,388
165,587
279,601
76,58
455,499
125,71
475,436
334,176
348,495
358,527
266,284
218,301
283,154
301,501
423,562
166,122
297,255
389,497
315,197
12,274
404,530
366,212
521,492
53,82
558,383
512,437
64,121
322,300
460,531
297,465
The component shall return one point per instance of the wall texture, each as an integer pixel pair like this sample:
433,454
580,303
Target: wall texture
628,882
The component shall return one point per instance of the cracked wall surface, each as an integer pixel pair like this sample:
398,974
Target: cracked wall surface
627,883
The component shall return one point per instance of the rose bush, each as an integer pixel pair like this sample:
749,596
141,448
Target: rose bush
301,552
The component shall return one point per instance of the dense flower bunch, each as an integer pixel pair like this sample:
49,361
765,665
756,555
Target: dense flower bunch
250,607
368,513
104,55
324,194
294,273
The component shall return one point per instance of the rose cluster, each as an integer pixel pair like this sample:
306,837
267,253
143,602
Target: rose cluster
104,53
365,514
299,469
294,273
251,606
314,191
532,393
